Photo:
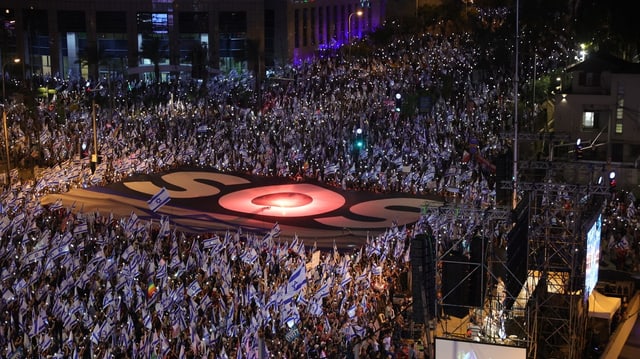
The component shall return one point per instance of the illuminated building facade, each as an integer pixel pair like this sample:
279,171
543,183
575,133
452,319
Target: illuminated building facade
89,37
597,102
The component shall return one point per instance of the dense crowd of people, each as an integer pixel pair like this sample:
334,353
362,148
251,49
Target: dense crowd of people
88,285
336,121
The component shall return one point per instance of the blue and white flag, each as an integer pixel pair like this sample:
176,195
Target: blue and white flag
159,199
324,290
194,288
249,256
59,252
351,312
56,205
81,228
275,231
298,278
315,308
40,324
376,270
346,279
212,242
161,272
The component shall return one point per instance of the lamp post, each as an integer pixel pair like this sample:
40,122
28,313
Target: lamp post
4,66
94,156
358,13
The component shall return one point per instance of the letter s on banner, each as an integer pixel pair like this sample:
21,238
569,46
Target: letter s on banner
189,182
380,209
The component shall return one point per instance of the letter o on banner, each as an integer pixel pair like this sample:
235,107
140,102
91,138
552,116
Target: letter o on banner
290,200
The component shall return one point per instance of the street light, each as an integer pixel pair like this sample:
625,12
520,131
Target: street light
94,157
358,13
4,66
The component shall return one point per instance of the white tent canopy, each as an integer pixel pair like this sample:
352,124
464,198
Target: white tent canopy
601,306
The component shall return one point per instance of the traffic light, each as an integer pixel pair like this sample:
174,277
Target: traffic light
398,102
612,181
84,152
359,141
578,149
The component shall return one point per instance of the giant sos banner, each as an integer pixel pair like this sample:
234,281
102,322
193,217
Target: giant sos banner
232,199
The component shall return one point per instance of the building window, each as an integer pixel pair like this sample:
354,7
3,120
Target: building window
589,79
589,120
620,108
619,127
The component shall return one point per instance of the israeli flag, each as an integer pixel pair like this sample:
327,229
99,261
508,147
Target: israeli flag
352,311
59,252
298,278
324,290
159,199
194,288
275,231
376,270
81,228
211,242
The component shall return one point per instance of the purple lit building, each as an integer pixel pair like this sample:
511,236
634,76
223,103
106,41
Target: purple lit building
60,37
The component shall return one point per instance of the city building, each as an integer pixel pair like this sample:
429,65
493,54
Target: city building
598,104
88,38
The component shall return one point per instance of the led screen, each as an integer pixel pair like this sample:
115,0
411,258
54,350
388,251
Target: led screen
455,349
593,257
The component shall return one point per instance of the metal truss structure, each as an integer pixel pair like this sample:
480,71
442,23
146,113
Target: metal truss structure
559,217
547,312
472,234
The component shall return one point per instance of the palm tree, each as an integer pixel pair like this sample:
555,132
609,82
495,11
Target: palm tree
156,51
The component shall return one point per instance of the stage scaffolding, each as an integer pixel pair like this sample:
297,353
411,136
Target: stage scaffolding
536,301
560,215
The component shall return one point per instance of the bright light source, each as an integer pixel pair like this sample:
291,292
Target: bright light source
612,174
359,131
578,142
398,96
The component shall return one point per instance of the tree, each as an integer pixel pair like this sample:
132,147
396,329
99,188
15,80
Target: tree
156,51
610,26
